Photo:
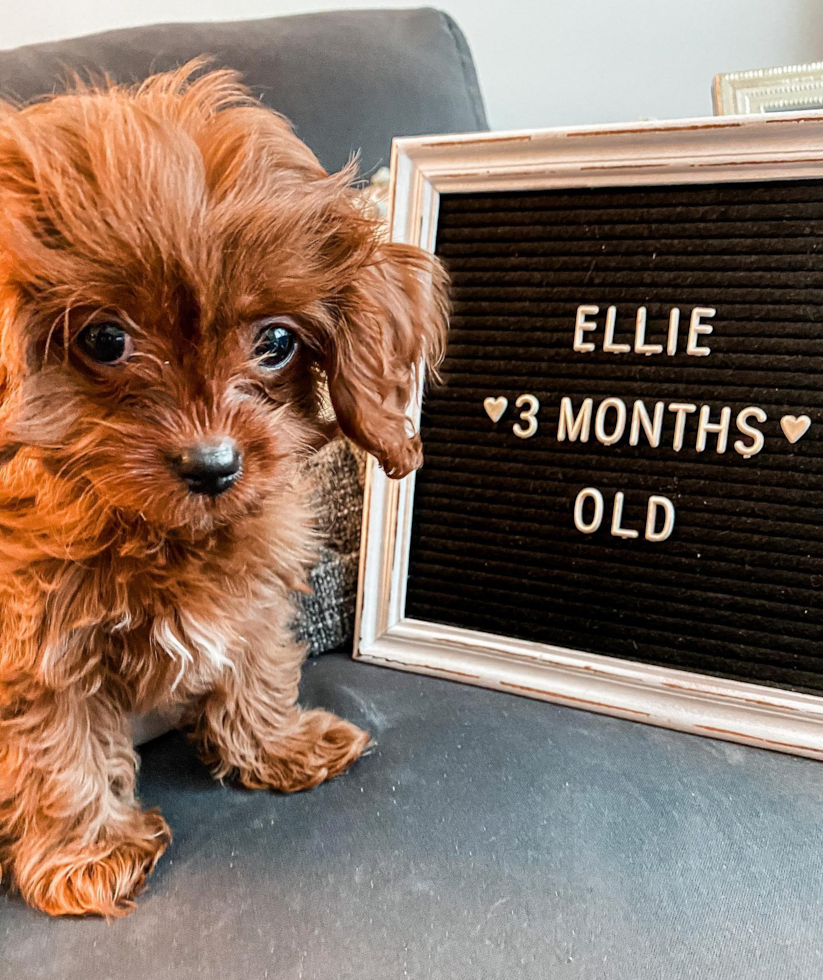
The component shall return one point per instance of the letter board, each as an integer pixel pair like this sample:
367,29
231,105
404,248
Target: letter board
624,456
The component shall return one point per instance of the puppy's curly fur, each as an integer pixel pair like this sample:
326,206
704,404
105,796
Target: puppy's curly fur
181,214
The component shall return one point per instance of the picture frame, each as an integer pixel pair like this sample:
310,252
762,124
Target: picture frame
760,148
792,88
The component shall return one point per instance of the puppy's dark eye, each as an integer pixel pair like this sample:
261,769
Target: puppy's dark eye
276,344
106,343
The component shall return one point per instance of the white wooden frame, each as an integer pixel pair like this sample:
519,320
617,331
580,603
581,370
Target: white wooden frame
784,146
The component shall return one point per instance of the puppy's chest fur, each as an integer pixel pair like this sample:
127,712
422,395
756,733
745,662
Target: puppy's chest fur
162,633
161,624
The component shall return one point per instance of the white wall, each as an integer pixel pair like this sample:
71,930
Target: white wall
541,62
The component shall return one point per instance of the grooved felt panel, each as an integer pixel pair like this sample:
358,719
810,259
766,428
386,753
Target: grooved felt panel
735,590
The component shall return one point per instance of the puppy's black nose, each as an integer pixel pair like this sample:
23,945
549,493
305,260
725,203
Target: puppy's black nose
209,467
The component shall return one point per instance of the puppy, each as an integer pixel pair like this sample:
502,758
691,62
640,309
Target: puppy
183,289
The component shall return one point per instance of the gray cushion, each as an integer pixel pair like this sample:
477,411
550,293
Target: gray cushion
488,837
349,80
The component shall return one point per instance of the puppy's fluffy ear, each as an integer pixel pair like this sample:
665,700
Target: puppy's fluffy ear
392,316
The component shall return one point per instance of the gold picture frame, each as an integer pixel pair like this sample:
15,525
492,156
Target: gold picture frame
792,88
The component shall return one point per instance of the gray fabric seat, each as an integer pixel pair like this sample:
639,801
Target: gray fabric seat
349,81
487,837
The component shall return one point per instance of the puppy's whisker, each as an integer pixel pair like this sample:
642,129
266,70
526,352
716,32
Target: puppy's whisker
62,319
148,356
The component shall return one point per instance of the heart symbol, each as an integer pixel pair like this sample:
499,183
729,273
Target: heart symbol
795,428
495,407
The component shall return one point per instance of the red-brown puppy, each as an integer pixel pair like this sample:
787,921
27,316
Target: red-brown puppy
179,282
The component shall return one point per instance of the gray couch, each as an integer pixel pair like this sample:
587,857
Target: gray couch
487,836
349,81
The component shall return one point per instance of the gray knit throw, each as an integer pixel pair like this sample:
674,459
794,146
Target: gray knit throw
326,618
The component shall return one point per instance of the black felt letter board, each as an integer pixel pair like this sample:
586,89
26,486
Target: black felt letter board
735,589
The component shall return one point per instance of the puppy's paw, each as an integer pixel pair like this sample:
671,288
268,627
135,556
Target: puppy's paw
102,878
319,747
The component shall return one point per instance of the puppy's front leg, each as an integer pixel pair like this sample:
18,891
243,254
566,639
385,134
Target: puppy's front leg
73,838
251,726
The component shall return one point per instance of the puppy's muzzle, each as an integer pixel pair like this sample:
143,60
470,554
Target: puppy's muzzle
209,468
